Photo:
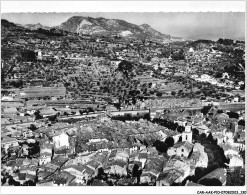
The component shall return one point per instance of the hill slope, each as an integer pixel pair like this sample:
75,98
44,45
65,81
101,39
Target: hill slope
103,26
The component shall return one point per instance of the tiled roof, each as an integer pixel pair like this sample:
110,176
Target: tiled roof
11,163
120,163
186,144
76,167
22,176
59,161
169,176
142,155
218,173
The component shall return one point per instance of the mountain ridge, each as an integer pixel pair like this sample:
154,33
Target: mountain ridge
103,26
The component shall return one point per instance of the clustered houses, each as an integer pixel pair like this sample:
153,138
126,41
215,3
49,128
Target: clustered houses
117,147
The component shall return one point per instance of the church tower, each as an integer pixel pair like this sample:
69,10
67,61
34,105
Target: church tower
187,134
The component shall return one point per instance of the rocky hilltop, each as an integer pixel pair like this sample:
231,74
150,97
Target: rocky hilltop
103,26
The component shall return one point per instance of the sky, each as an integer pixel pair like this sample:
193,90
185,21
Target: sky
189,25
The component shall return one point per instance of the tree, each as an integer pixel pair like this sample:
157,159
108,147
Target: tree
241,122
173,93
233,114
160,146
135,171
210,182
34,149
159,94
3,180
199,173
28,55
210,138
125,67
37,115
234,178
181,129
12,182
29,183
33,127
178,55
17,84
242,87
169,142
100,172
218,75
205,109
195,134
203,136
146,116
52,118
242,154
219,111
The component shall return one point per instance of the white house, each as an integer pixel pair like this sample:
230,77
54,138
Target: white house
205,77
182,149
202,129
45,154
225,75
199,157
60,139
117,167
229,150
236,161
191,50
142,158
219,136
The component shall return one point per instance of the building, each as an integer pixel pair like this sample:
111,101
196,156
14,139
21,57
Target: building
199,159
236,161
60,139
6,143
45,154
182,149
218,173
167,178
77,171
187,134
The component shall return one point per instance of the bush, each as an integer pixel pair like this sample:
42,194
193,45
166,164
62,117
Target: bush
205,109
210,182
28,56
32,127
160,146
159,94
169,142
233,115
241,122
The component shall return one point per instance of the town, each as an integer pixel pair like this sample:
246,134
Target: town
79,109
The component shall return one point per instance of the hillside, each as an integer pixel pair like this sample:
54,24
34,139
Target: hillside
36,26
102,26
